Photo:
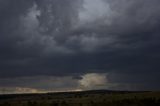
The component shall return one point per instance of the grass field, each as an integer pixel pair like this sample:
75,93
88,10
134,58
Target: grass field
88,98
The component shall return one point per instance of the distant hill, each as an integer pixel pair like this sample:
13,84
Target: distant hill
80,93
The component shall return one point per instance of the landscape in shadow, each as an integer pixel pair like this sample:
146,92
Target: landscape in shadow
85,98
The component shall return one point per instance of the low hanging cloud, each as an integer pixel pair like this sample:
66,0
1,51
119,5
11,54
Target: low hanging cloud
43,84
88,81
93,81
18,90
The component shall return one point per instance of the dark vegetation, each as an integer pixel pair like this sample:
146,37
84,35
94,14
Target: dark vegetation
87,98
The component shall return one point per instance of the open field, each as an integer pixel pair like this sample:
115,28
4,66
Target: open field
87,98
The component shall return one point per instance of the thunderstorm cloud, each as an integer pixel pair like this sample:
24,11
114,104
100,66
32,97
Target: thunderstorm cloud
112,44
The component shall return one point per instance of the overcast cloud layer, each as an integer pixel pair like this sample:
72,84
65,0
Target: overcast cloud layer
72,38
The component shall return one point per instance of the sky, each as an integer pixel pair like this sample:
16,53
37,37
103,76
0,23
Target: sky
76,45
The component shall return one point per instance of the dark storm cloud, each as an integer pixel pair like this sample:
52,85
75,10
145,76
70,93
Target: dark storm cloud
53,37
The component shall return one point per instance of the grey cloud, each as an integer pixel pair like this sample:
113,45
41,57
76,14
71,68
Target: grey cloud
44,83
53,37
94,81
39,84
